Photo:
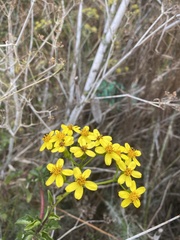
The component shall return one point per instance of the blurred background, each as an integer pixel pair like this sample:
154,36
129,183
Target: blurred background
49,51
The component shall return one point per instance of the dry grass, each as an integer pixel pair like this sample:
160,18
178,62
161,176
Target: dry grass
44,84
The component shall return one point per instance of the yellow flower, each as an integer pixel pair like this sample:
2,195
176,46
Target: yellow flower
58,136
80,183
132,196
109,149
132,154
86,135
57,173
68,129
120,150
99,139
83,149
60,146
128,171
47,141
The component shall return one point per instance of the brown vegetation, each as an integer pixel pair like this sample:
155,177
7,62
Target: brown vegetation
46,59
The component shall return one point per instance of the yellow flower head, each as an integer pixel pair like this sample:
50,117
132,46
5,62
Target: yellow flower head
86,135
58,136
84,148
60,146
57,173
120,150
99,138
128,172
80,183
132,196
109,149
68,129
47,141
132,154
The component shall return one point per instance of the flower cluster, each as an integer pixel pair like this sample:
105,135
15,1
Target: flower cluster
79,146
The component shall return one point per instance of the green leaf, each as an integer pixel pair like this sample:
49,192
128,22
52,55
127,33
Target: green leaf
28,237
49,209
50,198
54,217
52,225
33,224
46,236
25,220
28,196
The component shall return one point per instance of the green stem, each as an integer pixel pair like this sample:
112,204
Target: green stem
60,198
114,179
106,182
88,162
68,155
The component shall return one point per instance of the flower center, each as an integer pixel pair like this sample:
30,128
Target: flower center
81,181
84,148
70,127
84,132
100,137
57,170
62,144
128,172
118,152
60,135
109,149
46,138
131,153
133,196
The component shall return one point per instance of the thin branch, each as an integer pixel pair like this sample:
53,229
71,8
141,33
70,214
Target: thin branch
153,228
105,43
25,22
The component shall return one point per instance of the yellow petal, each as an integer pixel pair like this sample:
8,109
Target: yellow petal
138,153
96,132
54,150
121,179
49,145
50,167
86,173
136,162
71,187
100,150
60,163
132,165
78,193
136,174
74,149
61,149
140,190
77,172
127,146
123,194
79,153
125,157
137,203
105,140
133,186
43,146
59,181
128,181
115,156
125,203
67,172
108,159
121,165
50,180
90,153
91,185
69,141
